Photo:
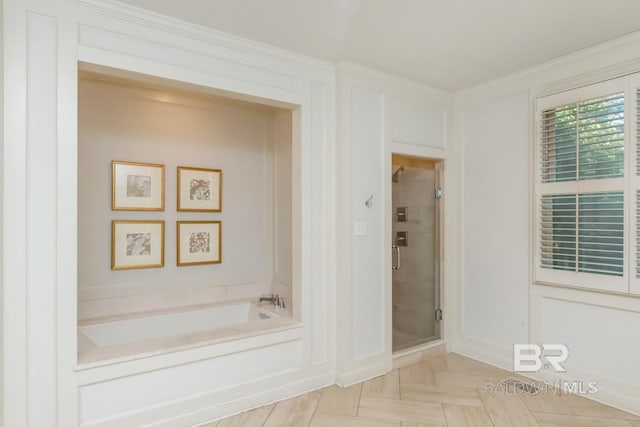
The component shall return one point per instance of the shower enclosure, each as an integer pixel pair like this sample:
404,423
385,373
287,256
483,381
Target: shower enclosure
416,225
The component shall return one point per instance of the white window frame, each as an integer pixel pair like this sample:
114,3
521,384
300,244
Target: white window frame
582,279
633,179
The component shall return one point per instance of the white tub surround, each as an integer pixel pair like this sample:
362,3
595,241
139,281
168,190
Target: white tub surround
261,369
44,43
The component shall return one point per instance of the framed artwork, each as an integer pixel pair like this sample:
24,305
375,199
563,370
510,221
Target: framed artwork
137,186
199,190
199,242
137,244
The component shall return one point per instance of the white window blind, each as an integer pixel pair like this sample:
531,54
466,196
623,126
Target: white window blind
580,188
637,133
584,140
583,233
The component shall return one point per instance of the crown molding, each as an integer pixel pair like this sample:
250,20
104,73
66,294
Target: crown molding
193,31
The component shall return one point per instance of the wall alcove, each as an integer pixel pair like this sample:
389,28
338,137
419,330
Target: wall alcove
59,275
131,117
249,142
139,121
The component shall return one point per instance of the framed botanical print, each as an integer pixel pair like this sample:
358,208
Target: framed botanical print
137,186
199,242
199,190
137,244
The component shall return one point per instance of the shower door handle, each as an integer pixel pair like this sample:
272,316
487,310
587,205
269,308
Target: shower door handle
397,249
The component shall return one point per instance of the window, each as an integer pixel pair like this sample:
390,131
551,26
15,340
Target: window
583,188
583,232
583,140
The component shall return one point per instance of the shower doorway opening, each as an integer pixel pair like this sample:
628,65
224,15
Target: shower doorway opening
417,224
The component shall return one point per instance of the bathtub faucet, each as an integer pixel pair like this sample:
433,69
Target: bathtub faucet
274,299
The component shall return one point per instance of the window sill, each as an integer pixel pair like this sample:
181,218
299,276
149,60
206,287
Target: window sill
599,297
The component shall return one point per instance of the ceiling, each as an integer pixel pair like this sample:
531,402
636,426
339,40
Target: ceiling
451,44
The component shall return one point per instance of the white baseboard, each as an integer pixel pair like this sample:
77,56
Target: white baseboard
346,379
498,356
418,354
611,391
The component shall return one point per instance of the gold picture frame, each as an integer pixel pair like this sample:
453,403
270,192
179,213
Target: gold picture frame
137,186
199,189
198,242
137,244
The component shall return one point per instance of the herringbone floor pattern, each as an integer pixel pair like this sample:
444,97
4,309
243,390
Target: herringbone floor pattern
450,390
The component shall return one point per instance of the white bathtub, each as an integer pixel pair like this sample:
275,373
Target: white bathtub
169,325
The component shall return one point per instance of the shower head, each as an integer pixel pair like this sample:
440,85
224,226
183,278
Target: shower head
394,177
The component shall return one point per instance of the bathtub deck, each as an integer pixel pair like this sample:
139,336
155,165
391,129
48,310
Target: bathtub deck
91,355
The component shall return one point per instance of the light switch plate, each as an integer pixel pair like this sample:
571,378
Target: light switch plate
359,228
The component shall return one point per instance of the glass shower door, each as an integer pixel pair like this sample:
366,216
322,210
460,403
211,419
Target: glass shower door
416,252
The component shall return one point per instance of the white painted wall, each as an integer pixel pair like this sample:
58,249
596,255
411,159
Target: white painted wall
41,201
585,323
496,222
499,305
367,154
361,292
377,114
418,121
2,60
599,331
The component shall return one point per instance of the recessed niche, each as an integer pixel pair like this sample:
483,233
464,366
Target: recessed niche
133,120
